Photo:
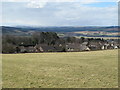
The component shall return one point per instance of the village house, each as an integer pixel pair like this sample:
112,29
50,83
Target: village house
27,48
72,47
84,46
69,47
105,46
113,44
93,45
46,48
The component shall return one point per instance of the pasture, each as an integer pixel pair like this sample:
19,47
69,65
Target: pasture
94,69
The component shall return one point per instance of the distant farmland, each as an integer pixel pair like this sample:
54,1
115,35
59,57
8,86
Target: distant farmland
94,69
93,31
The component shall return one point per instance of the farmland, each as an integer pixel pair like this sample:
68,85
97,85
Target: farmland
93,69
93,31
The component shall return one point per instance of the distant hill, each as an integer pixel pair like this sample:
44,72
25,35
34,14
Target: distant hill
60,30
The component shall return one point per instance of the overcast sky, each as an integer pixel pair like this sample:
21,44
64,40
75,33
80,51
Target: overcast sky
59,13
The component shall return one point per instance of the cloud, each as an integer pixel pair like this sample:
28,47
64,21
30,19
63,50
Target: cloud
15,0
61,0
60,14
43,3
37,3
84,15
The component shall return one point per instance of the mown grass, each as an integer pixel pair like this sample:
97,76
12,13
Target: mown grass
61,70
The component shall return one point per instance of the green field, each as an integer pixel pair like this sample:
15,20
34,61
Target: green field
94,69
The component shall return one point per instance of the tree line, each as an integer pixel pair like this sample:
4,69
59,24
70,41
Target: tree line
10,42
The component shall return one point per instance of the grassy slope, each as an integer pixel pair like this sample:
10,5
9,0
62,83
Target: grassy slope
76,69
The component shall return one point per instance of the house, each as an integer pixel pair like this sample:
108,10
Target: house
47,48
38,48
27,48
59,48
22,49
96,45
106,46
103,45
115,47
110,47
85,43
75,47
31,49
84,47
72,47
44,48
113,44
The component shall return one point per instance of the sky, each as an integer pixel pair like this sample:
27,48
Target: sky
59,13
